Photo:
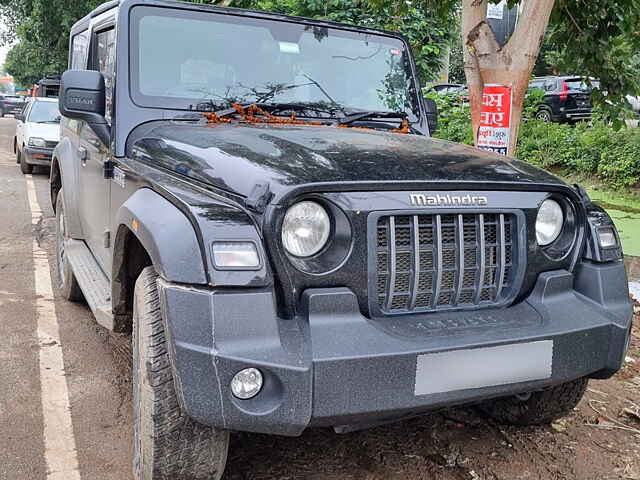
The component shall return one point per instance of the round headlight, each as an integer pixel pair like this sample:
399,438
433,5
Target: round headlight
306,229
549,223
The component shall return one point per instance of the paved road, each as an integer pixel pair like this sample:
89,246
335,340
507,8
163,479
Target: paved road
97,393
65,409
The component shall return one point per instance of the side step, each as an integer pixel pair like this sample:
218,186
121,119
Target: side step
93,282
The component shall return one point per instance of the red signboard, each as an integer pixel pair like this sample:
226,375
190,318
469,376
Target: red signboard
495,120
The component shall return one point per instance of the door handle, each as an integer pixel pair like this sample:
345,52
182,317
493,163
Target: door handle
83,154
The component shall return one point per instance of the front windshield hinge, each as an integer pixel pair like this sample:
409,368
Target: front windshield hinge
259,197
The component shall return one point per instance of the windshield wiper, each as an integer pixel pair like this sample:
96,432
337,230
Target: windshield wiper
277,89
371,114
325,93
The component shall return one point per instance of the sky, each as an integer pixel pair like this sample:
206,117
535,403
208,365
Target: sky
3,53
3,49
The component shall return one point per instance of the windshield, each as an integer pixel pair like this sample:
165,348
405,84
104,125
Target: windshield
45,112
186,58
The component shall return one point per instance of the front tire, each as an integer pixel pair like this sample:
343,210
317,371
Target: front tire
544,115
66,282
24,166
168,444
538,408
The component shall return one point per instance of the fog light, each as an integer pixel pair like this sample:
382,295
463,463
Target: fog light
607,238
246,383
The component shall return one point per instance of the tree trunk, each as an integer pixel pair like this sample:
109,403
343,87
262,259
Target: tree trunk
485,62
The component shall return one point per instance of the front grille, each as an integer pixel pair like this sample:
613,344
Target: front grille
437,262
51,144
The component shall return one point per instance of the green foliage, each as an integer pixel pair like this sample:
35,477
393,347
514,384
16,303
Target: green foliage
600,39
620,164
454,116
42,29
586,149
596,39
456,66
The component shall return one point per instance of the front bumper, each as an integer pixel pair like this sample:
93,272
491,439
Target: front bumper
334,367
37,156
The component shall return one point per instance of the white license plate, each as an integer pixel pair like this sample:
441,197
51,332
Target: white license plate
483,367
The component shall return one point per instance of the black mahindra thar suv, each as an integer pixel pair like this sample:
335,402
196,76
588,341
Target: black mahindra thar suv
258,201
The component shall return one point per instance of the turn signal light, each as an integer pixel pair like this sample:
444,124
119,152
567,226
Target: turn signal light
236,256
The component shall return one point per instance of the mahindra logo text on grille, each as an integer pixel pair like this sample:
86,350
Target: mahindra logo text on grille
421,200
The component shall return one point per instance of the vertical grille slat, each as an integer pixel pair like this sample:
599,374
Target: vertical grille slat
437,233
435,262
501,267
460,244
482,261
416,261
391,236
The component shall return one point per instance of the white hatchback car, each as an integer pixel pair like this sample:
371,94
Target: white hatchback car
37,133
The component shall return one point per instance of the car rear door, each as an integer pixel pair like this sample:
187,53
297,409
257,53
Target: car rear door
578,94
93,155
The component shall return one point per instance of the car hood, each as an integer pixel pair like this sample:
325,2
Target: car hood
236,157
48,131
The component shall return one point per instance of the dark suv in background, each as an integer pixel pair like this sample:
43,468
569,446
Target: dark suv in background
566,99
11,104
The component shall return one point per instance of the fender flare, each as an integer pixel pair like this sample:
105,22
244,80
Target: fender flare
64,160
165,233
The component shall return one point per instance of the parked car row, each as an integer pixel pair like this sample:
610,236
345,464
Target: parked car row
566,98
37,133
11,104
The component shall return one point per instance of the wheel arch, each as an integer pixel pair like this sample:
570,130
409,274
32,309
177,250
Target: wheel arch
151,231
130,259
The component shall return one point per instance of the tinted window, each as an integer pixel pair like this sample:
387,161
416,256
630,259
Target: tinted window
44,112
106,57
184,58
537,84
577,84
79,51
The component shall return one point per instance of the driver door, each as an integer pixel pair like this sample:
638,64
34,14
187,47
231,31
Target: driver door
93,155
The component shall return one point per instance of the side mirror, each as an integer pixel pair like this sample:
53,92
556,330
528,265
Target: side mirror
82,97
19,117
432,114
